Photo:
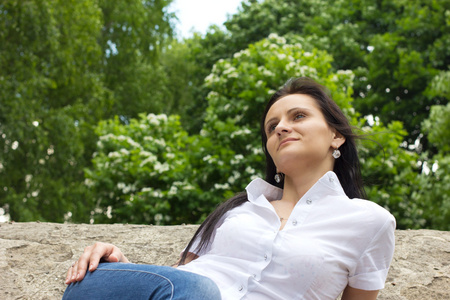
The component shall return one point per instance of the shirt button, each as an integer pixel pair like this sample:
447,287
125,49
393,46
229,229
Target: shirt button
254,275
294,223
265,256
331,179
309,201
240,288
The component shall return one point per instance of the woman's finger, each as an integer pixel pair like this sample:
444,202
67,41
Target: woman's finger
81,266
74,271
69,274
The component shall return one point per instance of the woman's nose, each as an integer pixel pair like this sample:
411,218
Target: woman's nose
282,127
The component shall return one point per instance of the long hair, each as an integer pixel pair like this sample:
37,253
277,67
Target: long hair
346,167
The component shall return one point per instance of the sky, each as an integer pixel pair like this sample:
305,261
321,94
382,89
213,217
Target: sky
200,14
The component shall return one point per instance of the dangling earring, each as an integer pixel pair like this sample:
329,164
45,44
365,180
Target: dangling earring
278,177
336,153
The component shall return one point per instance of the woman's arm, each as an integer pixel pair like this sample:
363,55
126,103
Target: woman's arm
357,294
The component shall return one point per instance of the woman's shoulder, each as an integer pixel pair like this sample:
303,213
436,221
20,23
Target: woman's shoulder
372,213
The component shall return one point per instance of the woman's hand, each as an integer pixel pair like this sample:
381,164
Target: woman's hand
91,257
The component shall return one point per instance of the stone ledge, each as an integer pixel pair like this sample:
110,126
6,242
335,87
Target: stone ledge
34,257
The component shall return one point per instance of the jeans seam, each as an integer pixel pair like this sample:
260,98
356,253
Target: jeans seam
140,271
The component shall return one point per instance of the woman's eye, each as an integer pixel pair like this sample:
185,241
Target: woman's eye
299,116
271,128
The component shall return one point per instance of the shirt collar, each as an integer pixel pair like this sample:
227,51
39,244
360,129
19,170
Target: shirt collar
328,184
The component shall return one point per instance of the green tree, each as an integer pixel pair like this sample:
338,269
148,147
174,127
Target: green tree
50,94
133,35
395,48
65,65
433,190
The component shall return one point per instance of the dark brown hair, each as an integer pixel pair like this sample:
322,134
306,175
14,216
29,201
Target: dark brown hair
346,167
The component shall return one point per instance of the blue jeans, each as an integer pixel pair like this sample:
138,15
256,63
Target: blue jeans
133,281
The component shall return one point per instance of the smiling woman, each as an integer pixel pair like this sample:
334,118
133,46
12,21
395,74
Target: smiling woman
306,235
299,138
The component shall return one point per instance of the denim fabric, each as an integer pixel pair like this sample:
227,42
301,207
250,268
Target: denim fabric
134,281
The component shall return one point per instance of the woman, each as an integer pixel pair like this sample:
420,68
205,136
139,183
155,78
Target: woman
303,233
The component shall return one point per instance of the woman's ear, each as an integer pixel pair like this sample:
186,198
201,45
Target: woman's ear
338,139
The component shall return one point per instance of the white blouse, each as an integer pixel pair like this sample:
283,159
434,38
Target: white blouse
328,242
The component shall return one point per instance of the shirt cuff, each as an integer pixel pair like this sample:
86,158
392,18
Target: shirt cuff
372,281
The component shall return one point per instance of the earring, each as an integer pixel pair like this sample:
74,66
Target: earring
336,153
278,177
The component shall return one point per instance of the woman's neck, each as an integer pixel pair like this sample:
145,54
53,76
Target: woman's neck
295,187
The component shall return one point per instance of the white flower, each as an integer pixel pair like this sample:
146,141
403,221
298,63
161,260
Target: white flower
28,178
250,170
273,36
212,94
150,159
244,131
15,145
160,142
124,151
107,137
145,153
224,186
157,194
114,154
88,182
173,191
161,167
281,56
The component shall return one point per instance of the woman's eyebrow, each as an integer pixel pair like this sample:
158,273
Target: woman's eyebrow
297,108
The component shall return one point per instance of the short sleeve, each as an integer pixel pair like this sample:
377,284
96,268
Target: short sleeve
372,268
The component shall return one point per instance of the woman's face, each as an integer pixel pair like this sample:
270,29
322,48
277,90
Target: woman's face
298,135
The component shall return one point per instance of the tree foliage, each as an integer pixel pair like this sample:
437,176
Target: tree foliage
58,80
90,90
397,49
154,167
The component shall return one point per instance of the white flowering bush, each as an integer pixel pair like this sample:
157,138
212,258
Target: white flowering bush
141,171
239,88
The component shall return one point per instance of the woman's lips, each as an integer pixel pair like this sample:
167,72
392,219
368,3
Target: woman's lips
285,141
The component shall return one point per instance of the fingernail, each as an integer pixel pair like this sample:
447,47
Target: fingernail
78,275
73,277
91,267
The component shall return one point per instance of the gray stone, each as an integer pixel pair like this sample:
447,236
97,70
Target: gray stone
34,257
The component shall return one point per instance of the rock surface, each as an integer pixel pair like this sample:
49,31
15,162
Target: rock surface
34,257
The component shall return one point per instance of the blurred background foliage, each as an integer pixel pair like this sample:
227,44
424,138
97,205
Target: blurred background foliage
106,116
